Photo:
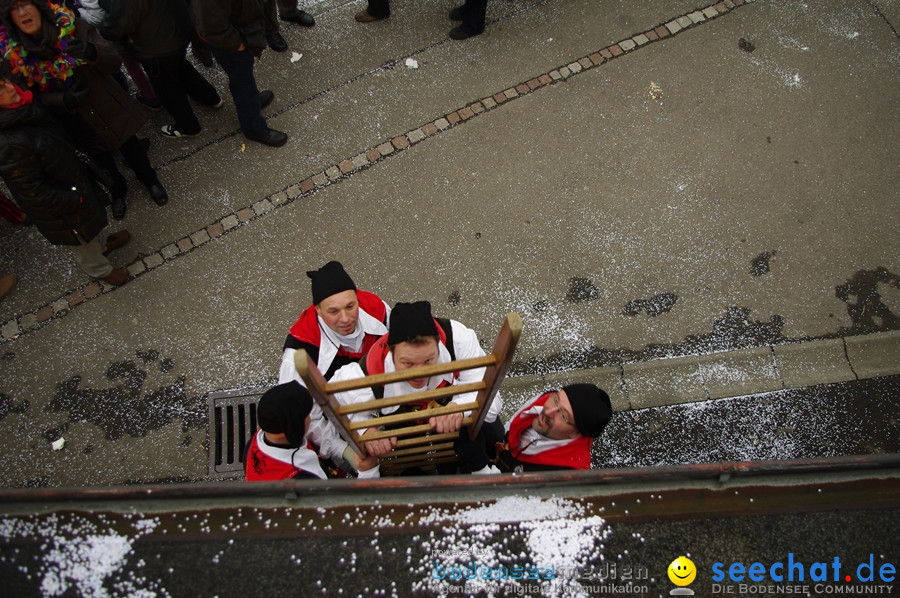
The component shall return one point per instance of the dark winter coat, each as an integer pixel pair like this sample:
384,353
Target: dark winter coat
150,29
226,24
41,169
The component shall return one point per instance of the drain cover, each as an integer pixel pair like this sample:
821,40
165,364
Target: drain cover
232,417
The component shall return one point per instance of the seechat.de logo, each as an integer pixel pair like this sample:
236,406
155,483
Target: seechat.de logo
682,572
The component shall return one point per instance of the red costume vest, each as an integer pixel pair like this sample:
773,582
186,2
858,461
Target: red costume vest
260,467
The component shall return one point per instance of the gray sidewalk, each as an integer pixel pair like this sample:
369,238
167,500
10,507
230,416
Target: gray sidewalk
684,203
742,372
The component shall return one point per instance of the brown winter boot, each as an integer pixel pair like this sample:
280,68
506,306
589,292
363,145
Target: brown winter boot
6,285
117,277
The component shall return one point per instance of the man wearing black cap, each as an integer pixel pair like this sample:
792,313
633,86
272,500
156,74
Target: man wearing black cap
338,328
415,338
279,450
555,431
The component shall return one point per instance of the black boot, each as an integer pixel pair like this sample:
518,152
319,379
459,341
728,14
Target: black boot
158,193
118,191
118,207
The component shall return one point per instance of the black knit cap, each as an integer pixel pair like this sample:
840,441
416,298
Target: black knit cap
409,320
329,280
283,409
591,408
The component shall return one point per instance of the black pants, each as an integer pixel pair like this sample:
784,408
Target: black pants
242,84
475,454
175,80
136,158
474,14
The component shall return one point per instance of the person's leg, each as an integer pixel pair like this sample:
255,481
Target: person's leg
200,50
165,75
242,85
138,75
473,14
287,8
270,16
288,11
90,258
197,87
136,157
376,10
118,187
270,20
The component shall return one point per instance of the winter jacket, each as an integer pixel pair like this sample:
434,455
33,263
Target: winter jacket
149,29
41,170
226,24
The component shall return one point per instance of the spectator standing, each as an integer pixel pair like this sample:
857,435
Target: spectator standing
69,64
157,33
90,11
51,184
235,31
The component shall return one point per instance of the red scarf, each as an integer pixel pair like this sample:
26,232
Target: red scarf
25,98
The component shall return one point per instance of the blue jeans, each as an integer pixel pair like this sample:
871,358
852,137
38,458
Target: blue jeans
239,68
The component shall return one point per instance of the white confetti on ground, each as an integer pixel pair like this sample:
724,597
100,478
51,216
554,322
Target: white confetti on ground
509,509
477,549
83,564
79,559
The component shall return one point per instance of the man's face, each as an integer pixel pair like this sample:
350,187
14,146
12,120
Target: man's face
26,17
8,94
556,421
340,312
408,356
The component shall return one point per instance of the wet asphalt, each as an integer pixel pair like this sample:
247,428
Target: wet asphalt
648,184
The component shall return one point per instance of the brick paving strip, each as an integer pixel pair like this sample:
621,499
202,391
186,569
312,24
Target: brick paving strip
343,169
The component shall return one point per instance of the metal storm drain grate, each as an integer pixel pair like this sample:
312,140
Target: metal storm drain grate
232,417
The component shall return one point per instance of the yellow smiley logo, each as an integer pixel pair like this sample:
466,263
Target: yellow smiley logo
682,571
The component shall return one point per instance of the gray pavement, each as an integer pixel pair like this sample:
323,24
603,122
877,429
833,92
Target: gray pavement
684,203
